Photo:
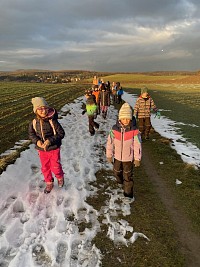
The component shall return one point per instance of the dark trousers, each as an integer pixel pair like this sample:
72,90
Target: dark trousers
123,172
144,126
92,124
119,99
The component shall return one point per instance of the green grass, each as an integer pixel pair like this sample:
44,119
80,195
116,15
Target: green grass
16,109
188,193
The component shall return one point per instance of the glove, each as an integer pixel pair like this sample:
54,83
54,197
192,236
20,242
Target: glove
136,163
95,115
158,114
83,112
46,144
109,160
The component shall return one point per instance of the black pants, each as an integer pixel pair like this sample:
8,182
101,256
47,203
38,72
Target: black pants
123,172
119,99
92,124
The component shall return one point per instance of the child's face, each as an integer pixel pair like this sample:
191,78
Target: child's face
125,122
42,111
144,95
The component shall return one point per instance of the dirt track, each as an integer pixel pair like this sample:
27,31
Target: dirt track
189,241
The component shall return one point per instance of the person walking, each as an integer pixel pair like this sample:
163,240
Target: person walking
91,110
46,133
104,100
124,149
142,111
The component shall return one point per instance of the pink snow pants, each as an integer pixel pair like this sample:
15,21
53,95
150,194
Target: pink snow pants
50,161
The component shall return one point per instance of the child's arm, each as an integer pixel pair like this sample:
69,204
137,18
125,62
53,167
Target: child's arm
32,134
153,105
110,146
137,143
136,107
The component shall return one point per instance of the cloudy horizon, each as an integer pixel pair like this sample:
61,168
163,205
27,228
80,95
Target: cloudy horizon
110,36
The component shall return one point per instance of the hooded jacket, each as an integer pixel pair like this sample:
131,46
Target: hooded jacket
104,98
47,128
124,143
143,107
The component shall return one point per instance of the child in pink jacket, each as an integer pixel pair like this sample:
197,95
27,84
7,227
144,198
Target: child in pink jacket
124,149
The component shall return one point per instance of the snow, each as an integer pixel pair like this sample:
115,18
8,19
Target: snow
44,230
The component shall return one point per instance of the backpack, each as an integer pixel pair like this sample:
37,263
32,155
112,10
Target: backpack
51,123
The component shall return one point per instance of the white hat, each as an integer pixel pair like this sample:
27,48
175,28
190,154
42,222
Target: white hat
38,102
125,112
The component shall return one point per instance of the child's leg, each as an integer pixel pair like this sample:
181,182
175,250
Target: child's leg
91,125
56,166
45,165
141,125
117,169
105,110
128,178
147,127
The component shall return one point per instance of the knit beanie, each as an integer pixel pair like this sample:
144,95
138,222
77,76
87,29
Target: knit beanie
125,112
38,102
144,90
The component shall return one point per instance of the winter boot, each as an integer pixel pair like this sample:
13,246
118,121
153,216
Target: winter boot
49,187
60,182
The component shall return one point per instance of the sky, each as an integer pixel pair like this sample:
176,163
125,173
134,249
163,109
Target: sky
38,229
100,35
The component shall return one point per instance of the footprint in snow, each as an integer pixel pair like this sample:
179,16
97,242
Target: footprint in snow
40,257
7,204
18,207
2,230
52,222
76,166
35,168
32,197
61,249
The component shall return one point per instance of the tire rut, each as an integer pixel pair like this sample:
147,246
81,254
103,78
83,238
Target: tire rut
189,241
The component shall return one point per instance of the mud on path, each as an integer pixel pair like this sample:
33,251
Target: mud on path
188,240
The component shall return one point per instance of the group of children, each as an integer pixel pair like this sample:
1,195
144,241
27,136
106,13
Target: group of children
123,148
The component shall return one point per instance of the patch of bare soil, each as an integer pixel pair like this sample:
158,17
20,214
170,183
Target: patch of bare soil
189,241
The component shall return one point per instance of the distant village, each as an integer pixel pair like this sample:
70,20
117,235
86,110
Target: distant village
62,77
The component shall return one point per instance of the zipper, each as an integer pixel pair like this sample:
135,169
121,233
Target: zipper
122,140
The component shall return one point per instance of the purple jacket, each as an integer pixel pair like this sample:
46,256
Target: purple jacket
124,143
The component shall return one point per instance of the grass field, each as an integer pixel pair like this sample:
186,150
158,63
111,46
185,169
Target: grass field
16,108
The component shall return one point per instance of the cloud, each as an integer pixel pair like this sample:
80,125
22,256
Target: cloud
114,35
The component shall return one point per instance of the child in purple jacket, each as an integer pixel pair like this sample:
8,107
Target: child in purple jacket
124,149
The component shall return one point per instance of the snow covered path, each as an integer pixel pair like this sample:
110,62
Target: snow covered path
57,229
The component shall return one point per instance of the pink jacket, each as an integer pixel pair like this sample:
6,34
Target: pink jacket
124,144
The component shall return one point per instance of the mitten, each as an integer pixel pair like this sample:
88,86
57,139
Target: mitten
109,160
158,114
136,163
83,112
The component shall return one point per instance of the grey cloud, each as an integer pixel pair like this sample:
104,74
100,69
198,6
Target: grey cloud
107,35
